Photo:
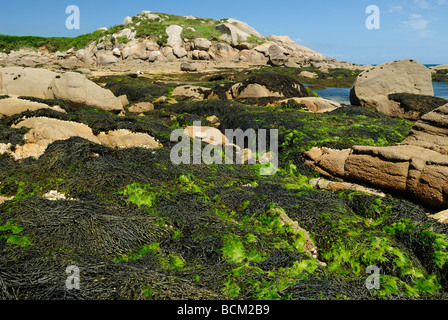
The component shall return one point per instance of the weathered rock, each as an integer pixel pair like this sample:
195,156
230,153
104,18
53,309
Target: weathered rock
263,48
47,130
224,52
154,56
128,33
430,131
121,139
192,92
413,106
298,53
269,86
44,131
151,45
77,90
127,20
253,90
191,67
124,100
232,34
441,216
253,56
84,71
106,59
209,135
329,185
142,107
212,119
313,104
71,62
418,167
244,27
179,52
200,55
11,106
116,52
373,86
308,74
174,33
202,44
25,81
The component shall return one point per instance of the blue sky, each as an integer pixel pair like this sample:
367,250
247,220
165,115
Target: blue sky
336,28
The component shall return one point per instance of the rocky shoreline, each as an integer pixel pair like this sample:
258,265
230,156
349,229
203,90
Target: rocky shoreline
87,178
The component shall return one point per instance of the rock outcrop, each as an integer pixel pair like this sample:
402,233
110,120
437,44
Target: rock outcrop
238,43
260,86
11,106
77,90
29,82
373,86
72,87
44,131
418,167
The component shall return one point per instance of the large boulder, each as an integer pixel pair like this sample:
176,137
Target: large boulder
47,130
243,26
107,58
189,67
418,167
232,34
295,51
373,86
127,20
269,85
77,90
202,44
25,81
174,33
253,56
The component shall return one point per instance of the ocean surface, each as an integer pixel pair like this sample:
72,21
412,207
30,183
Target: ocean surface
342,95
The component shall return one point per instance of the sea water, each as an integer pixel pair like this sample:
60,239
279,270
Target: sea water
342,95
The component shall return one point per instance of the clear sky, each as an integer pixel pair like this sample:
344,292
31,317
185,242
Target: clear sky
415,29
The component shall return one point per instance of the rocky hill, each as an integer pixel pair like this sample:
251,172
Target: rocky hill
156,38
